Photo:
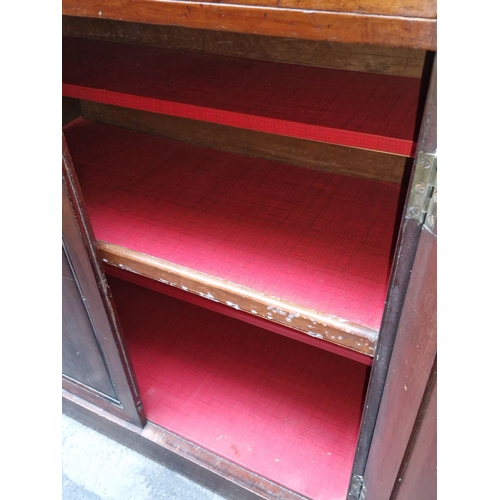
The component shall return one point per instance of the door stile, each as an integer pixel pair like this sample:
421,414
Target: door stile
101,329
407,247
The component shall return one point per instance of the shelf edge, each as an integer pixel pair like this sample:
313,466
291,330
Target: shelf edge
275,126
357,338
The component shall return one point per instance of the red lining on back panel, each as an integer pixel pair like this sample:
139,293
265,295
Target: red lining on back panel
226,310
361,110
285,410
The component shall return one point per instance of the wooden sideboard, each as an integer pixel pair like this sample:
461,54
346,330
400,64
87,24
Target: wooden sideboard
249,240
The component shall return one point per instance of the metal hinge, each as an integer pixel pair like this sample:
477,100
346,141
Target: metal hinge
358,489
422,201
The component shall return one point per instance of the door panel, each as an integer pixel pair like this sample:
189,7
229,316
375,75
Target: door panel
82,359
412,261
412,365
95,363
419,476
410,370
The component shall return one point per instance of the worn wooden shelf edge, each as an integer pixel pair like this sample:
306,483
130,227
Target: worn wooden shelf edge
336,331
396,31
406,8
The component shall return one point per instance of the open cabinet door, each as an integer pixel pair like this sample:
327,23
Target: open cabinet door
402,461
95,366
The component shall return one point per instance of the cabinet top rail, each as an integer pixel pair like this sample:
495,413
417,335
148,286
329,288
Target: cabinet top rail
388,23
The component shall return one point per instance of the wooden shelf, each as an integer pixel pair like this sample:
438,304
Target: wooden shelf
302,248
288,412
359,110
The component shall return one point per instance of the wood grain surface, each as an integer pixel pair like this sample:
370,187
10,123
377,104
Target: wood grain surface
396,31
309,154
343,333
353,57
406,8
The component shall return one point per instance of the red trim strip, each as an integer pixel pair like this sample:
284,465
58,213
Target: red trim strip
245,121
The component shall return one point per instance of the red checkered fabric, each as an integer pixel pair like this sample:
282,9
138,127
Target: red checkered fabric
283,409
361,110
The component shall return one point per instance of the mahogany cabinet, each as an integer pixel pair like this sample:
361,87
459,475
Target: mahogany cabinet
249,240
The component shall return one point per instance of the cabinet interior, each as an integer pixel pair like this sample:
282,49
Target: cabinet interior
233,199
282,409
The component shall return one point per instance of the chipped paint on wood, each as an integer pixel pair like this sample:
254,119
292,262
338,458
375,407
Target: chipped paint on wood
326,327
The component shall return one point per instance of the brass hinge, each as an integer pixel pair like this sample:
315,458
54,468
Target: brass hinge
358,489
422,201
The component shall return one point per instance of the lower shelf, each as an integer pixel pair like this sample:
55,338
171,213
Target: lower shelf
284,410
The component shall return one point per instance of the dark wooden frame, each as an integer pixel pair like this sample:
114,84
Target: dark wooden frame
410,385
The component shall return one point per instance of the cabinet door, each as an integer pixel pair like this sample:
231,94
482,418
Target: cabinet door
95,366
403,449
404,369
401,462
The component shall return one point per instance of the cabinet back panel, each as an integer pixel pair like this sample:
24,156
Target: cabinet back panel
287,411
71,110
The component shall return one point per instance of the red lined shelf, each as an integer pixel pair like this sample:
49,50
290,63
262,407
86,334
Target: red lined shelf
222,308
360,110
284,410
302,240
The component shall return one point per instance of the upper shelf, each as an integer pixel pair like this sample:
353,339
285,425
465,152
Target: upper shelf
347,108
398,23
230,228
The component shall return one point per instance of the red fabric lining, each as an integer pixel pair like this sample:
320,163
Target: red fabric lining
285,410
361,110
240,315
312,238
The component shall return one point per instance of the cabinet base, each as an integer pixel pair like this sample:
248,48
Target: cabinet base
210,470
